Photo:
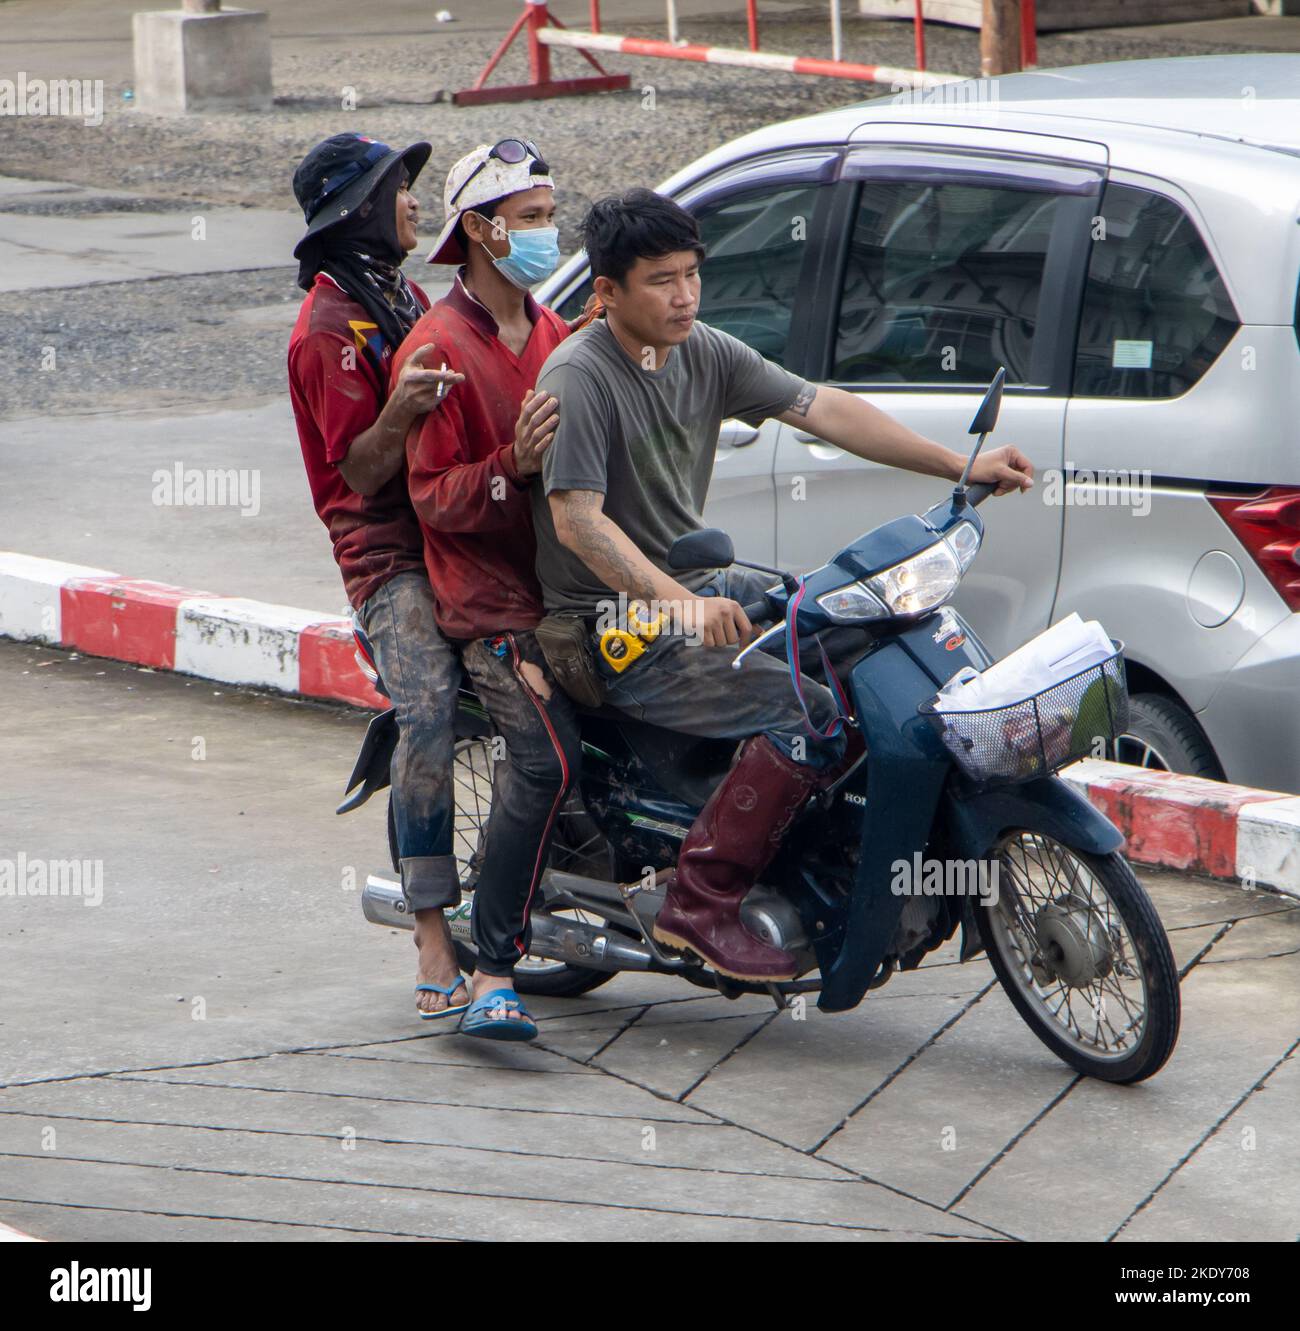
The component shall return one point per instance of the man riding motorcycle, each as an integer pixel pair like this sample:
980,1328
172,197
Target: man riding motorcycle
642,396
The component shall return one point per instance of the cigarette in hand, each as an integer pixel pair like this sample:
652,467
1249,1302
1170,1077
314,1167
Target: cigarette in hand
443,368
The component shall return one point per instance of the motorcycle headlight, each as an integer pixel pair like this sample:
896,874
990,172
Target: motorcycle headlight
914,587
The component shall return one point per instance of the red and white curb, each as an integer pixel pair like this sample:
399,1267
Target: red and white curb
1232,833
1251,837
225,638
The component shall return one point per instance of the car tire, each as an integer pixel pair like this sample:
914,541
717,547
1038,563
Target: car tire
1163,734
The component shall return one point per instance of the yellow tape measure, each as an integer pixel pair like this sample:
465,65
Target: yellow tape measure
620,647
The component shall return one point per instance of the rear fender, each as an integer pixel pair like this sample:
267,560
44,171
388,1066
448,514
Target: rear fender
370,772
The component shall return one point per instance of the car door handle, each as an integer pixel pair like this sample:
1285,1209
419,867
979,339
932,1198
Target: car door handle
736,434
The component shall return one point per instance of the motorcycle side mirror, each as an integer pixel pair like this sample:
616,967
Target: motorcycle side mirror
710,547
987,415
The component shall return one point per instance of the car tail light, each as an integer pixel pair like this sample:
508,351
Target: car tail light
1268,525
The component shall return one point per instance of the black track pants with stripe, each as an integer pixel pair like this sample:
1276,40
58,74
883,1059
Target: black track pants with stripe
529,790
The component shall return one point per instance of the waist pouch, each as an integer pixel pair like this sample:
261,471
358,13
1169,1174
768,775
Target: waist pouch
565,641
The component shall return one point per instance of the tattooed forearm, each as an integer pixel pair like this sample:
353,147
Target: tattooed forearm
800,405
582,526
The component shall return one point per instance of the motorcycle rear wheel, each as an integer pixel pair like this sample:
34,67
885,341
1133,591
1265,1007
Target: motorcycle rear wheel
572,840
1080,950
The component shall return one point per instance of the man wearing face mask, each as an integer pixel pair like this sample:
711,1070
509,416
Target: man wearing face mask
470,466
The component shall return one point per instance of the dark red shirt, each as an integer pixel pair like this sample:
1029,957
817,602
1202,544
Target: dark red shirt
472,504
337,394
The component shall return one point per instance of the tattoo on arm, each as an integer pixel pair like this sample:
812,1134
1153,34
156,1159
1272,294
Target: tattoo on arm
805,400
592,542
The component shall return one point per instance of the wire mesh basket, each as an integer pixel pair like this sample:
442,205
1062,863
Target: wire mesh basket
1038,734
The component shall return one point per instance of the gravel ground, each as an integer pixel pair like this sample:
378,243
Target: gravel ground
249,158
137,343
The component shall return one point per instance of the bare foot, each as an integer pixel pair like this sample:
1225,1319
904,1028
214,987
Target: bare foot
437,963
486,984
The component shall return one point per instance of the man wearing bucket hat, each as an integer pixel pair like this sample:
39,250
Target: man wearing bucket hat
471,464
361,224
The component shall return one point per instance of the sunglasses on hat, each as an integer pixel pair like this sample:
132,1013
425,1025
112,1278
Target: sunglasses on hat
510,151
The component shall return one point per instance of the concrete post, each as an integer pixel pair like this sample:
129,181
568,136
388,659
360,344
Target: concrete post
202,58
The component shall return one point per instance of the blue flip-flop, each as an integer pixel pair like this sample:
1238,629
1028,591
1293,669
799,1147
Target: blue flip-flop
488,1017
460,982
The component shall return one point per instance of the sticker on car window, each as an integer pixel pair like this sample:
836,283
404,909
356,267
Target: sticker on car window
1131,355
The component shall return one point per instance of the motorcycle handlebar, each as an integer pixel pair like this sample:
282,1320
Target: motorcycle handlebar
977,494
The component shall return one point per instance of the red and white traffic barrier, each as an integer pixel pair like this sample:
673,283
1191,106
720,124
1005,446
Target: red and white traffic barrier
1232,833
544,30
226,638
724,55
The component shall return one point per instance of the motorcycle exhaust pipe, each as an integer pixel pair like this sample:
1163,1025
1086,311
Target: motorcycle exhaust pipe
554,938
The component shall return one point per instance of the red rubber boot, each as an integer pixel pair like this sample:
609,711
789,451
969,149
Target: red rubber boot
733,840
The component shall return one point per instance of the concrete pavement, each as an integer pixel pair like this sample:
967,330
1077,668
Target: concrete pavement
308,1103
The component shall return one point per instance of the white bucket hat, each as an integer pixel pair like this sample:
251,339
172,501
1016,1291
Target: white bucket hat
484,176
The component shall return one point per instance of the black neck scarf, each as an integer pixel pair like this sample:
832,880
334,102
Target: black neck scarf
364,257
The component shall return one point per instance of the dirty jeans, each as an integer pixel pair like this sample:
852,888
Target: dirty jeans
421,673
539,726
693,688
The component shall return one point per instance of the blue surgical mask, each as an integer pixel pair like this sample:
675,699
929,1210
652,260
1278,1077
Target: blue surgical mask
534,255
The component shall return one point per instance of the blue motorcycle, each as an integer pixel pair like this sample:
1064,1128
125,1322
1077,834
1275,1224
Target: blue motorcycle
949,820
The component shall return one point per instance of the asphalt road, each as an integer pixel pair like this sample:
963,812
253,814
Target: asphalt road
222,1048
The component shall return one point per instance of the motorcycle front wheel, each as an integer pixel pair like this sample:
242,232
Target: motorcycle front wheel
1079,949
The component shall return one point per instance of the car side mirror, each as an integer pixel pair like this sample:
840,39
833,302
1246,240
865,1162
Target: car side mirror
710,547
987,415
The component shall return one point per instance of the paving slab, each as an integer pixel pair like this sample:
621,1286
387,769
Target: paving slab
800,1079
89,1224
672,1055
1238,1186
393,1210
433,1175
563,1093
695,1145
1089,1163
1272,935
1182,901
917,1135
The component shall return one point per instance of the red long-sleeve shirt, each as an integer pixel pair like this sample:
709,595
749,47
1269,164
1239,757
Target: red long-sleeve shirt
471,502
337,394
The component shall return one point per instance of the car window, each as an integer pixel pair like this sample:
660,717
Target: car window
942,282
754,244
1156,312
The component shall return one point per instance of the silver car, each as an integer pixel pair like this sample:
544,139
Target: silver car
1124,238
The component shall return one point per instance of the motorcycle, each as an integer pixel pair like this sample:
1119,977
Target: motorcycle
945,821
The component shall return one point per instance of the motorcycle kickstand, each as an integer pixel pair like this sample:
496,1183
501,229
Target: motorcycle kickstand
781,1000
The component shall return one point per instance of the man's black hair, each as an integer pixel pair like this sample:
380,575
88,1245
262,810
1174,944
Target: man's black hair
488,210
639,224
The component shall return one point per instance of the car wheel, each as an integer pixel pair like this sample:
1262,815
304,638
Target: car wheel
1162,734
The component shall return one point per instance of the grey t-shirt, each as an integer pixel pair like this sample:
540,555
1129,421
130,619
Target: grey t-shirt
646,439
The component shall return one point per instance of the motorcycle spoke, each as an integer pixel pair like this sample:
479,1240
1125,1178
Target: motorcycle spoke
1106,1015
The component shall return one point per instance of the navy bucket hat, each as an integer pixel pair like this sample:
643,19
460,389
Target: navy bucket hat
339,175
